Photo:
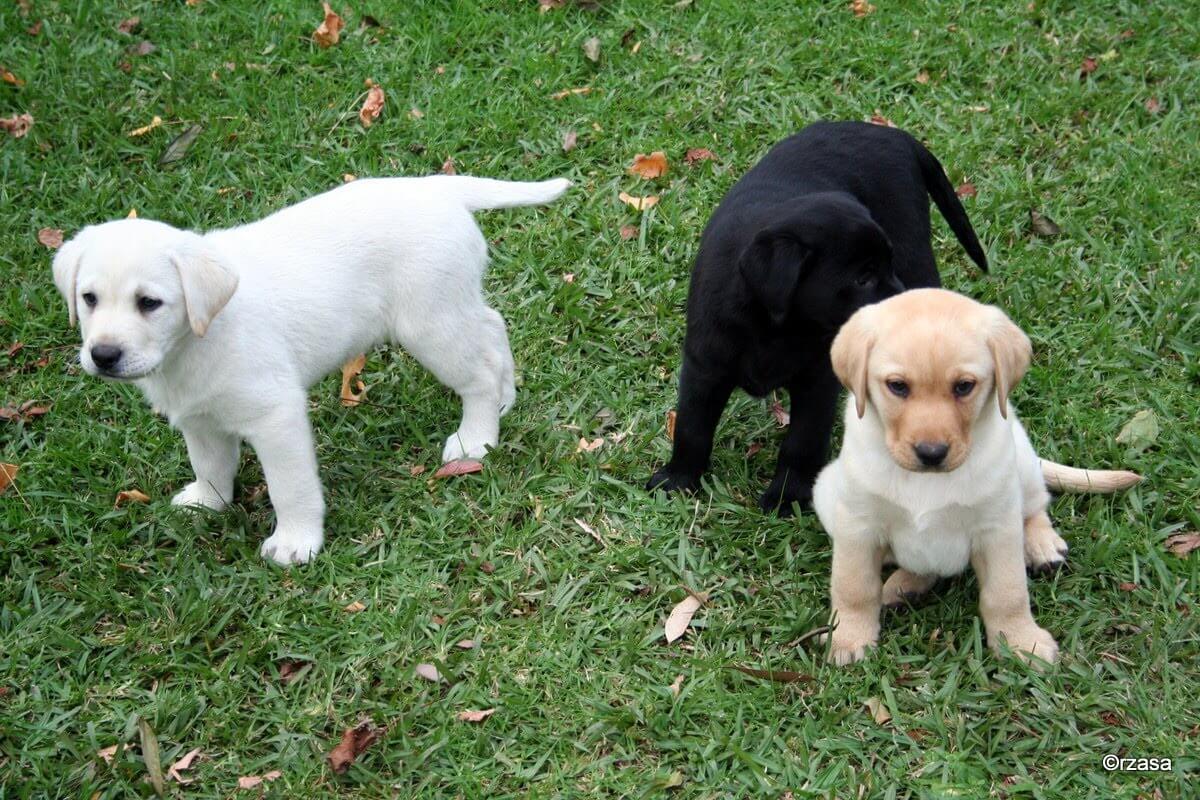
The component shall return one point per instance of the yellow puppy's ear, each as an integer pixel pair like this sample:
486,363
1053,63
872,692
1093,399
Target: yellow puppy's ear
1011,353
850,353
207,284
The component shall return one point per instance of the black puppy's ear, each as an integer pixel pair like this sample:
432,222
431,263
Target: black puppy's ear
771,267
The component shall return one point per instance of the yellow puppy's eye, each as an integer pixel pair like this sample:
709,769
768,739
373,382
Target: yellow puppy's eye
898,388
964,388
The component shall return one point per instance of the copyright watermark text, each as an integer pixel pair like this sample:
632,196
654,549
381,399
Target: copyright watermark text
1115,763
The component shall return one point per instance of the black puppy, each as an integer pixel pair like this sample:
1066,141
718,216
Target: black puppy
832,219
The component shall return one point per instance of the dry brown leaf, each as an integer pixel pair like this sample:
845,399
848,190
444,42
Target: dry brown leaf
880,119
438,619
129,25
753,449
966,189
681,615
1088,66
782,417
372,106
416,113
354,608
878,710
35,28
108,753
18,125
568,277
585,446
565,93
677,685
1043,225
448,166
649,166
131,496
291,669
475,716
8,77
591,49
549,5
570,139
922,77
173,772
465,644
143,48
628,232
487,568
429,672
349,177
861,8
350,372
671,417
589,530
50,237
416,469
697,154
776,675
354,741
330,29
1127,586
638,203
1152,105
142,131
462,466
1183,543
253,781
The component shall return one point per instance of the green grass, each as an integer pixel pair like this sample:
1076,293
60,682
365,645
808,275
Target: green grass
107,615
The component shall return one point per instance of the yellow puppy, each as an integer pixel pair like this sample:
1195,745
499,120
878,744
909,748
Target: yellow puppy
935,470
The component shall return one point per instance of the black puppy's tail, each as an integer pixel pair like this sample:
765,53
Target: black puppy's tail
939,188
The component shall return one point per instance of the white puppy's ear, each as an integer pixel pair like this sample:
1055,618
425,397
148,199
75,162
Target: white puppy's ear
850,353
207,284
1011,353
66,271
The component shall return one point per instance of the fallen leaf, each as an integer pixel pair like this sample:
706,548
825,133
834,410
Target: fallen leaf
252,781
150,756
776,675
108,753
1140,432
487,568
350,372
372,106
671,417
438,619
677,685
628,232
429,672
173,772
649,166
448,167
465,644
861,8
880,119
565,93
1043,225
589,530
1125,35
638,203
782,417
8,77
131,496
142,131
330,29
1152,105
591,49
291,669
1180,544
878,710
35,28
8,474
966,189
15,348
922,77
17,125
462,466
475,716
1088,66
416,469
1127,586
549,5
568,277
585,446
179,146
681,615
129,25
697,154
753,449
570,138
354,608
416,113
142,48
354,741
50,237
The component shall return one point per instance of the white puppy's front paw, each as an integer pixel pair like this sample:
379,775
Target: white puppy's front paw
1045,550
1032,640
459,446
199,494
289,546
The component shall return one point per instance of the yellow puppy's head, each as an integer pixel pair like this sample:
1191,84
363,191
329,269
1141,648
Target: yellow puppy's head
929,361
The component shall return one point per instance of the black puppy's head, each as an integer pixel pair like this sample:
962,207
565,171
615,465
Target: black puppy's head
824,259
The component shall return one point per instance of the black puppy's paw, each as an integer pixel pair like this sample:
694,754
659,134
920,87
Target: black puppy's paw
670,480
782,493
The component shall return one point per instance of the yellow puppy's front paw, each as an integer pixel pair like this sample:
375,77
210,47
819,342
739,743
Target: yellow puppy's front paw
848,649
1032,641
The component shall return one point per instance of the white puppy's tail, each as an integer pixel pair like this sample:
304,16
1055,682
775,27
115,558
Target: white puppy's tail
482,193
1062,478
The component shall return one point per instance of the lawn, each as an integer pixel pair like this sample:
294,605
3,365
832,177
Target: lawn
111,615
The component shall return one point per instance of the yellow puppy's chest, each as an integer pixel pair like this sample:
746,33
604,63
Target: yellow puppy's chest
935,543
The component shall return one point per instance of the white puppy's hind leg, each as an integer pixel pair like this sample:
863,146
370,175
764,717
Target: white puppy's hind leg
214,457
284,445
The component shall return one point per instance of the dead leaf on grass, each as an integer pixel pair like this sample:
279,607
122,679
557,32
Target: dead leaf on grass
355,607
291,669
628,232
475,716
878,710
591,49
638,203
330,29
1127,586
922,77
151,757
584,446
254,781
861,8
175,770
698,154
1042,225
1141,432
131,496
568,277
681,615
429,672
671,417
589,530
1183,543
354,741
108,753
448,167
50,237
142,131
570,139
1088,66
966,189
416,469
178,149
649,166
1152,105
129,25
677,685
142,48
781,415
462,466
372,106
17,125
565,93
776,675
880,119
8,77
8,474
350,371
465,644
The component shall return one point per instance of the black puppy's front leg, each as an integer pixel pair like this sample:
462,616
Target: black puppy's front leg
805,449
702,398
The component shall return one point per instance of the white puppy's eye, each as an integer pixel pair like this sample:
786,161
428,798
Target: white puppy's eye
148,304
90,299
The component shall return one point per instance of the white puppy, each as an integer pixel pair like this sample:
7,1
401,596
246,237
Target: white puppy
225,331
935,470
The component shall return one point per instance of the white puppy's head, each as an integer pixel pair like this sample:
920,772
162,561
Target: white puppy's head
138,288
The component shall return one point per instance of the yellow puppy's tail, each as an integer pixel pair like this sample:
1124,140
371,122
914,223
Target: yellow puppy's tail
1062,478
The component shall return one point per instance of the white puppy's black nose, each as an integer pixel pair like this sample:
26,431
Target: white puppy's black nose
931,453
106,356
